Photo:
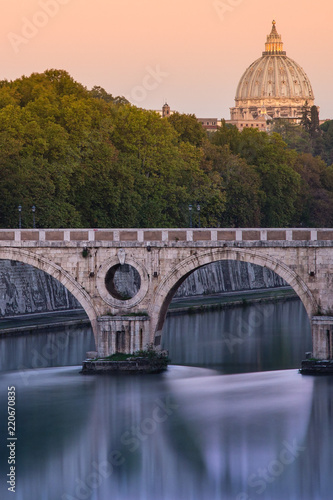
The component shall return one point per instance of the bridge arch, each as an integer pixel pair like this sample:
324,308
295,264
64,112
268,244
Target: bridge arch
177,276
57,272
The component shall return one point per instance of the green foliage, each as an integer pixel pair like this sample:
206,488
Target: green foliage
149,353
188,128
100,93
315,202
295,136
87,159
118,356
279,182
327,139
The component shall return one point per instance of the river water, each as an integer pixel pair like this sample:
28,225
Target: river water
231,419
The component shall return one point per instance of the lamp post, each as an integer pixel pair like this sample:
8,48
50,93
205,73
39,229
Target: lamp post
33,208
198,209
20,220
190,211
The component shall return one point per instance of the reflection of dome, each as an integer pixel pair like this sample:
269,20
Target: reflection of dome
275,82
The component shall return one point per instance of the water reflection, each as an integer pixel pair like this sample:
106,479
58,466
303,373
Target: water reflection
59,347
190,433
241,339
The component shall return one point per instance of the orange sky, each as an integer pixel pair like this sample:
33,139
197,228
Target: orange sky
190,52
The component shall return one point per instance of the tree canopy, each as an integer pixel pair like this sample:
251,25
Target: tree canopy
85,158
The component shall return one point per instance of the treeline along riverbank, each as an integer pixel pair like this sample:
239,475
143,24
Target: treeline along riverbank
84,158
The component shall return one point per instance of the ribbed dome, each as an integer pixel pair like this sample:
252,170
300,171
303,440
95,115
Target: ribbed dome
274,75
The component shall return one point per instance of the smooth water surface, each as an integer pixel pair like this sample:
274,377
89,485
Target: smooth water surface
262,336
192,433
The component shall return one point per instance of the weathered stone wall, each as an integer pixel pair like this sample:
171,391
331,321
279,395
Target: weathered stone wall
227,276
25,289
223,276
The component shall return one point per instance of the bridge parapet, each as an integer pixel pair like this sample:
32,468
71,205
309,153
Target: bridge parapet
164,237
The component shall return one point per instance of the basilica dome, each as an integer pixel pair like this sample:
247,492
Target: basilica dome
273,86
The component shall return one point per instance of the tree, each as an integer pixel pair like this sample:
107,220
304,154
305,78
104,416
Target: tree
294,135
227,135
188,128
306,117
314,206
240,184
279,181
327,137
99,93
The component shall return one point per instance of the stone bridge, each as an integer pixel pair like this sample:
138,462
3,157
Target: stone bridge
86,263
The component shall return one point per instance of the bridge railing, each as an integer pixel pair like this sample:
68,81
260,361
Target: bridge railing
166,236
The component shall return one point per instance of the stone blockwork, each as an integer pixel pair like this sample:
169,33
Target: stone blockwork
301,257
123,334
322,331
218,277
102,237
228,276
25,289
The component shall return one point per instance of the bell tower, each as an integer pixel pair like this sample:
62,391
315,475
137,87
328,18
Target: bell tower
166,110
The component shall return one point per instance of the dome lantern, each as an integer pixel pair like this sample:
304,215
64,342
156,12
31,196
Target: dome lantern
274,44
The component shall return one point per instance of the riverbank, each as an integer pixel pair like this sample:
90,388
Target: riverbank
201,303
31,323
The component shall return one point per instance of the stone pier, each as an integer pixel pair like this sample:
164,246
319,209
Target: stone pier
125,334
322,337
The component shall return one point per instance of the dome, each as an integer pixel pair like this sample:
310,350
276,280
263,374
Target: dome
275,76
274,82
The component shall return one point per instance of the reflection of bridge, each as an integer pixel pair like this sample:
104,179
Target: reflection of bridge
86,261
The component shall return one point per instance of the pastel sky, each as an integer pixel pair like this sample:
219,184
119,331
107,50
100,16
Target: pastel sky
191,53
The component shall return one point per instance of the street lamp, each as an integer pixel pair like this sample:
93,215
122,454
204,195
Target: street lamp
33,208
190,211
198,209
20,210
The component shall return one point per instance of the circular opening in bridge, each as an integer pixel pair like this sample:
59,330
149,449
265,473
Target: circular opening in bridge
122,281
